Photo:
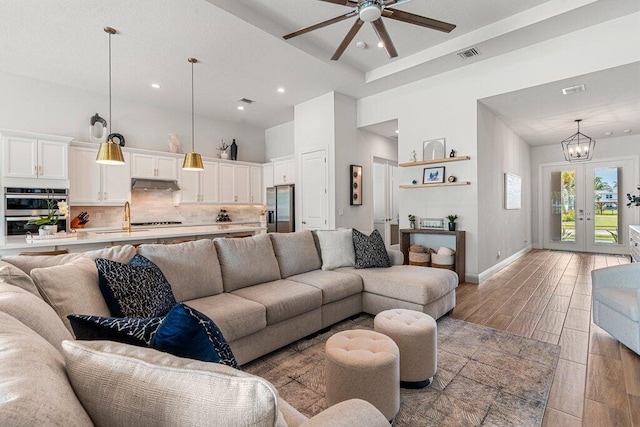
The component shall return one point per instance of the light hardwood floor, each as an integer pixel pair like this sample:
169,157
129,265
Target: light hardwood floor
546,295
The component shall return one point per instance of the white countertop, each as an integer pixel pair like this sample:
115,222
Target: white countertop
118,236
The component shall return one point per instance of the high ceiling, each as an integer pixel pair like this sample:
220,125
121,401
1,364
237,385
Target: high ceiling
242,54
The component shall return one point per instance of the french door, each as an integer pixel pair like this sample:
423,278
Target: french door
584,205
385,200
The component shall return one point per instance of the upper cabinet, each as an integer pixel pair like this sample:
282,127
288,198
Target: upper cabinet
95,184
284,171
240,183
154,166
200,187
35,157
256,185
267,175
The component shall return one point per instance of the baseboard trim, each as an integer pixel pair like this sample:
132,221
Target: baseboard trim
479,278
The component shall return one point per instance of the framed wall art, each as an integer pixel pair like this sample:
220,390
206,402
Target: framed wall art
512,191
356,185
433,149
433,175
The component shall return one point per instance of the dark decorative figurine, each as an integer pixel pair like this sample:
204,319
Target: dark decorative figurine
452,153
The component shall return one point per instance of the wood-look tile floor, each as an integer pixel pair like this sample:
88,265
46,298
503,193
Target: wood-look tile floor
546,295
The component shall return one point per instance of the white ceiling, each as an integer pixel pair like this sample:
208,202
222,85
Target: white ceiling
242,54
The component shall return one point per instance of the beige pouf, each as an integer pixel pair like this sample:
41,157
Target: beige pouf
364,365
416,335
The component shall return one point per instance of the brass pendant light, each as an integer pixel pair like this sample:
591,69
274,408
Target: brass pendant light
192,160
109,152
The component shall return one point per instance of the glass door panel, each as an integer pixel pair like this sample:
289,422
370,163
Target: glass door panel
564,211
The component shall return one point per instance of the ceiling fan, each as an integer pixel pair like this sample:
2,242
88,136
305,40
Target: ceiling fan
373,11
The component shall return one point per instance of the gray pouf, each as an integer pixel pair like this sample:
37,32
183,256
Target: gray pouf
363,364
416,335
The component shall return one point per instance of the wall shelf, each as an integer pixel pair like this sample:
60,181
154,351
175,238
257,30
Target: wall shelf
435,161
440,184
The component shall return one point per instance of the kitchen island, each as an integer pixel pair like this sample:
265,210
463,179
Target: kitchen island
86,240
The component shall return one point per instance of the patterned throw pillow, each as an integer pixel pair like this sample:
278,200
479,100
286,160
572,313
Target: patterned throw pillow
186,332
370,250
121,329
138,289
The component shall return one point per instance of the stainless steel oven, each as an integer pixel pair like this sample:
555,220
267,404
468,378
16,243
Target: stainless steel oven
23,204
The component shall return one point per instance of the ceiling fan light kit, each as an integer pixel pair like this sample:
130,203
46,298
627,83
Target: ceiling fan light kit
578,147
373,11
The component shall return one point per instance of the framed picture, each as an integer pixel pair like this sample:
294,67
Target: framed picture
433,175
356,185
512,191
433,149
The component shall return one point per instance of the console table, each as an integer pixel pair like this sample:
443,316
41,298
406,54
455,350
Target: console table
405,242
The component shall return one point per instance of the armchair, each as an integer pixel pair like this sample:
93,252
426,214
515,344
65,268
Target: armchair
616,302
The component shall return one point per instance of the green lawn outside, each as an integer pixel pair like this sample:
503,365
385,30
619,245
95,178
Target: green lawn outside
603,222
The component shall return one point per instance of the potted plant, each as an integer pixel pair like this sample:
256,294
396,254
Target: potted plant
223,147
452,222
49,224
412,221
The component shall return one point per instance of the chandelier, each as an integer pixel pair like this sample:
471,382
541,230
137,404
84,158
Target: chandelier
578,147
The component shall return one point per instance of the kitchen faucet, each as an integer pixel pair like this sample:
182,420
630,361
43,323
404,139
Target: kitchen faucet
127,217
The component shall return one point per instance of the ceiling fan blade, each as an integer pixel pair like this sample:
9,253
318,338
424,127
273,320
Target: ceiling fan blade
394,2
412,18
350,3
345,42
320,25
383,35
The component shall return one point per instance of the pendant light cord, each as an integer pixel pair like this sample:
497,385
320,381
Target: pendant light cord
193,136
110,125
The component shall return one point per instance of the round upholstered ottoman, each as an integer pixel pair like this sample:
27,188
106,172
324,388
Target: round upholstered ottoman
363,364
415,333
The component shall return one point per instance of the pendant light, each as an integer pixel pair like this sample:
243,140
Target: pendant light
578,147
192,160
109,152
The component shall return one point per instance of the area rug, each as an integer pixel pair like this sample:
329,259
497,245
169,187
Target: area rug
485,377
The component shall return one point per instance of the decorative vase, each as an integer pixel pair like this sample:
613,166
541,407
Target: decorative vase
47,230
452,226
224,155
234,150
412,225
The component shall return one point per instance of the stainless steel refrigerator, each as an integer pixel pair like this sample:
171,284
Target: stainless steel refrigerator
281,209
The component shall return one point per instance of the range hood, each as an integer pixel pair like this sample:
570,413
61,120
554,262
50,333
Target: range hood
154,184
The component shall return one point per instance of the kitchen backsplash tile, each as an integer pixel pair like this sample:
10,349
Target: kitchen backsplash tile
149,206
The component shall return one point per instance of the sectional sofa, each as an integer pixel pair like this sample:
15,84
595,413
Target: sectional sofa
263,292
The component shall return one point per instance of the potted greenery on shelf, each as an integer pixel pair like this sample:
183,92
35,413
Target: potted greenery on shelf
412,221
452,222
49,224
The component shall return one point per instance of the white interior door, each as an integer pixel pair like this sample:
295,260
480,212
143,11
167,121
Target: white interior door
385,199
584,206
313,184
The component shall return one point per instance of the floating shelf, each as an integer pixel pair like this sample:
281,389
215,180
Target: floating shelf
440,184
435,161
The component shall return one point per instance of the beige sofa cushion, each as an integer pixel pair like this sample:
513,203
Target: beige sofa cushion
34,389
9,273
27,263
333,284
34,313
112,380
120,253
419,285
235,316
191,268
283,299
336,248
71,289
296,252
247,261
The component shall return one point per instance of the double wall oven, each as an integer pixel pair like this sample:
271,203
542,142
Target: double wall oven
23,204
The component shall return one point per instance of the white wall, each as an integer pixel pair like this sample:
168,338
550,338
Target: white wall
446,105
502,151
622,146
38,106
279,141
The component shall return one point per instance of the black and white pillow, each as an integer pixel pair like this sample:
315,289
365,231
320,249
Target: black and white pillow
138,289
126,330
370,250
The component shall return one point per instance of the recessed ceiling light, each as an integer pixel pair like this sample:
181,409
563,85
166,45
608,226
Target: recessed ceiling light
397,131
281,90
380,44
608,133
627,131
240,107
155,85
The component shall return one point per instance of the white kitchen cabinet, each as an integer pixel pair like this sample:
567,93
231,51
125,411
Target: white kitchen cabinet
35,157
94,184
267,175
235,183
284,172
154,166
200,187
256,185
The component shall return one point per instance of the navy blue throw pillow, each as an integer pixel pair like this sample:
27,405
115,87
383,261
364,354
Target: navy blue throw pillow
121,329
138,289
186,332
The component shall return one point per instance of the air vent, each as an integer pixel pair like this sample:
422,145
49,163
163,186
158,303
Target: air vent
573,89
469,53
246,101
